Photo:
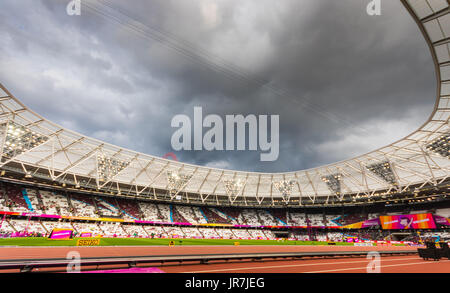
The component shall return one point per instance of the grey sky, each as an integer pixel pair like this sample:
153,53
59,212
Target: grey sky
373,75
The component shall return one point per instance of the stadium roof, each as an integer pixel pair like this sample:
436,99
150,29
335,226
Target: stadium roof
40,148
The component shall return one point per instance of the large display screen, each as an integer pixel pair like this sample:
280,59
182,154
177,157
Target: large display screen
416,221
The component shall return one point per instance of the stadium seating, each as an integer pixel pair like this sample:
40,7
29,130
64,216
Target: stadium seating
214,216
437,236
225,233
176,216
136,231
55,204
6,228
192,233
296,219
231,213
88,227
199,217
329,220
209,233
4,206
27,226
187,215
280,215
155,231
256,234
173,232
83,206
269,234
352,218
316,220
130,208
50,225
106,207
113,230
16,199
267,219
34,200
300,235
322,237
163,212
335,236
241,234
150,212
249,217
373,216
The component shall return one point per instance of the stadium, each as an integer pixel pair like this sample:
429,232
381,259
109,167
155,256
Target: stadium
61,190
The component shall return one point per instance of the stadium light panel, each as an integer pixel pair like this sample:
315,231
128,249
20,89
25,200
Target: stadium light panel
384,171
19,139
176,181
109,167
233,188
285,188
333,182
440,146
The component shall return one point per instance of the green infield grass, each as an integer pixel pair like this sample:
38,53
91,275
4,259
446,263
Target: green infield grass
41,241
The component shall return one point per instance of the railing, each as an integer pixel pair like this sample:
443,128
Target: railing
60,264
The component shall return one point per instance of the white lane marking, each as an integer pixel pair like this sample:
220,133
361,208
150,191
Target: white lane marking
298,265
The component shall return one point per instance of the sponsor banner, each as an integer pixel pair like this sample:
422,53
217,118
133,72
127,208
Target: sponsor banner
79,218
9,213
354,226
88,242
416,221
363,224
371,223
86,234
362,244
216,225
442,221
110,220
161,223
145,222
61,234
40,215
180,224
350,239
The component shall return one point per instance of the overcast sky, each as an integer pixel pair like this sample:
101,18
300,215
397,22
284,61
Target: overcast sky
342,82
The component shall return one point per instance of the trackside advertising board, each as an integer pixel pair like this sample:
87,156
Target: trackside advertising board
416,221
61,234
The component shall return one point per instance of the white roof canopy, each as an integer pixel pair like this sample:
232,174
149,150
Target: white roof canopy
31,141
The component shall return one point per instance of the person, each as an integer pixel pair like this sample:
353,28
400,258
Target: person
406,222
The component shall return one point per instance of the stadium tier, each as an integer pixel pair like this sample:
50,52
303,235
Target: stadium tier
31,211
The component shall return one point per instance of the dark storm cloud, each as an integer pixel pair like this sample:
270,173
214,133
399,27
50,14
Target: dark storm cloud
350,82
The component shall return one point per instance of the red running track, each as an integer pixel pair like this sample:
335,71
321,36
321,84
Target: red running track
61,252
387,264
